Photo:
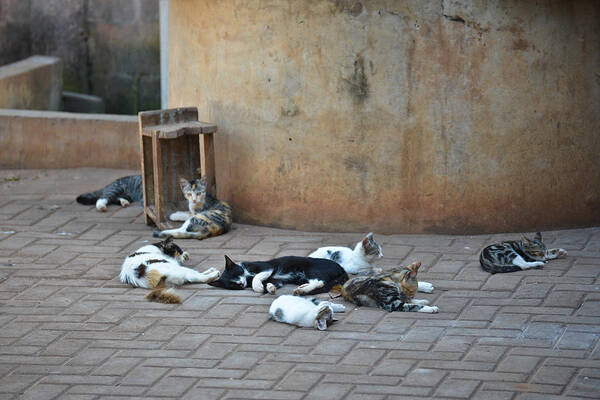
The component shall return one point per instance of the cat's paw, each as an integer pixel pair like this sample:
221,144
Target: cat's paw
179,216
211,274
377,270
561,253
156,233
271,289
425,287
124,202
337,307
101,204
300,290
184,257
423,302
429,309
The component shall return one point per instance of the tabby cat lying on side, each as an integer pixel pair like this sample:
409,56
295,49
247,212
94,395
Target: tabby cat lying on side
155,266
392,290
517,255
123,191
207,216
304,312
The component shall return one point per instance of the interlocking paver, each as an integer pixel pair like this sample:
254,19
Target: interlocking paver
70,330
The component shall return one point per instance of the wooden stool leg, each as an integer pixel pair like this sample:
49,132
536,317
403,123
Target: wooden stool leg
207,162
159,190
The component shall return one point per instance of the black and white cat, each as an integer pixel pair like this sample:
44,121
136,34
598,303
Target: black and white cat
313,275
158,266
357,261
516,255
123,191
304,312
360,260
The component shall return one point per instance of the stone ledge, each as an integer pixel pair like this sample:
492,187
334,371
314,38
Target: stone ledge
48,139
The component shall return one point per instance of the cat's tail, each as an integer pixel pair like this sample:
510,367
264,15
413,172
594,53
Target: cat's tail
181,234
90,198
161,293
164,295
154,279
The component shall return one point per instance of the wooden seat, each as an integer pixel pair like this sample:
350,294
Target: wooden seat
173,145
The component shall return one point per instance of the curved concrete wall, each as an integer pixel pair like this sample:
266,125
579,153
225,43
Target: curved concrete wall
397,116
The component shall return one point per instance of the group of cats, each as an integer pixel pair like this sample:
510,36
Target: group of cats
159,267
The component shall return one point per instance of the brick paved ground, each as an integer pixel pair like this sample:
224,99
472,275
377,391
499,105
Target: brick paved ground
70,330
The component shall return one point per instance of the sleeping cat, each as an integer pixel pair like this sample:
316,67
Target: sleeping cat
157,265
392,291
207,216
122,191
304,312
517,255
314,275
357,261
361,259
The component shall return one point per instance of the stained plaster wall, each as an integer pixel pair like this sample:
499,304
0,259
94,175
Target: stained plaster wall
397,116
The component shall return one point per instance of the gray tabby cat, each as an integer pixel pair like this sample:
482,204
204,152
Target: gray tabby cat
517,255
122,191
207,216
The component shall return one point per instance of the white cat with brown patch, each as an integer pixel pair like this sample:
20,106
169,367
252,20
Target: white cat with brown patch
157,266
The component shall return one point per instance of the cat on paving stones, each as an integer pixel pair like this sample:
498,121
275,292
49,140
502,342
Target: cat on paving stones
517,255
158,267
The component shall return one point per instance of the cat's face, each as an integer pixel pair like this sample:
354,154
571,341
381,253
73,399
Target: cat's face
407,278
169,248
324,317
535,247
371,248
232,278
194,191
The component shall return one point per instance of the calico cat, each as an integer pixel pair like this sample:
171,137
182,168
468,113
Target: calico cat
392,291
157,265
207,216
123,191
357,261
304,312
314,275
517,255
361,259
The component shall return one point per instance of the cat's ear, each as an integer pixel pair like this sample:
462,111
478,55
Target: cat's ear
229,263
538,236
366,242
183,183
321,324
168,240
415,266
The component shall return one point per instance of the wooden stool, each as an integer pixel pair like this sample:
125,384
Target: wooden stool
173,145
